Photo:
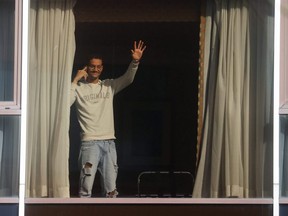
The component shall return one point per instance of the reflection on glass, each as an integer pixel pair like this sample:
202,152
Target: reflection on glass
7,24
9,155
283,142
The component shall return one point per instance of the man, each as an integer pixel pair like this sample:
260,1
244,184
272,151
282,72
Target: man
94,103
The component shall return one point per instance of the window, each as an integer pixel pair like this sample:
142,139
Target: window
9,155
9,58
164,92
10,37
134,106
283,109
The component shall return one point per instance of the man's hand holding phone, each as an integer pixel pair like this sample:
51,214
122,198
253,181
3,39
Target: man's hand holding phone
80,74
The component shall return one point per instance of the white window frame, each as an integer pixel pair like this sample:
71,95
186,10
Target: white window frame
22,201
13,107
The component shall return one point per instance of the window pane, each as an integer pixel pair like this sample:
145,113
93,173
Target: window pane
7,24
284,155
9,155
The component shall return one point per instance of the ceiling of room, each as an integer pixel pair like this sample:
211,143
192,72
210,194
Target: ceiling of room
137,11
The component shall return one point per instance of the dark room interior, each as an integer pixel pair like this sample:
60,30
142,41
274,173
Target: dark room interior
156,116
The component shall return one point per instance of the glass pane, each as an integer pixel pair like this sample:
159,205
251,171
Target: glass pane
7,24
283,155
9,155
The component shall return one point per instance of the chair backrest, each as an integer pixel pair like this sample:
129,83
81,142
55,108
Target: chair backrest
165,184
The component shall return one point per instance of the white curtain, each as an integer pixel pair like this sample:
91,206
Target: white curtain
52,48
236,148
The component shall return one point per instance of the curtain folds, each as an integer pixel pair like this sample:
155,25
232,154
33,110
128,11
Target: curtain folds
236,153
51,55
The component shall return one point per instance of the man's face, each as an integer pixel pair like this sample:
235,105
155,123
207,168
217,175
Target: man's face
94,68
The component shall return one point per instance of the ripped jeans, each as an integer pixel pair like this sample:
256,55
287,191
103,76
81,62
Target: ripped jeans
98,155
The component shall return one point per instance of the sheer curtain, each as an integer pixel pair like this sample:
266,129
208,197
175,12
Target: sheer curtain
52,48
236,153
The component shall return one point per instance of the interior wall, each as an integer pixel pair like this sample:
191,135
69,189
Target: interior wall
137,11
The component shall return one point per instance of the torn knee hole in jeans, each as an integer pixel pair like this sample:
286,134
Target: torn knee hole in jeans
87,168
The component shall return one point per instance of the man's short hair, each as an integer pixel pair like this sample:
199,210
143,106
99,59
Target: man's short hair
95,56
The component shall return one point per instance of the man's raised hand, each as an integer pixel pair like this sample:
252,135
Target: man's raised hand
80,74
138,50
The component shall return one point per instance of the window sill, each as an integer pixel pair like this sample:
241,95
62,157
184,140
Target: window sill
149,201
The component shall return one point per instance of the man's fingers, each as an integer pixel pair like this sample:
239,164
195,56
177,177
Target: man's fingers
140,44
82,73
85,76
85,68
135,45
138,47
